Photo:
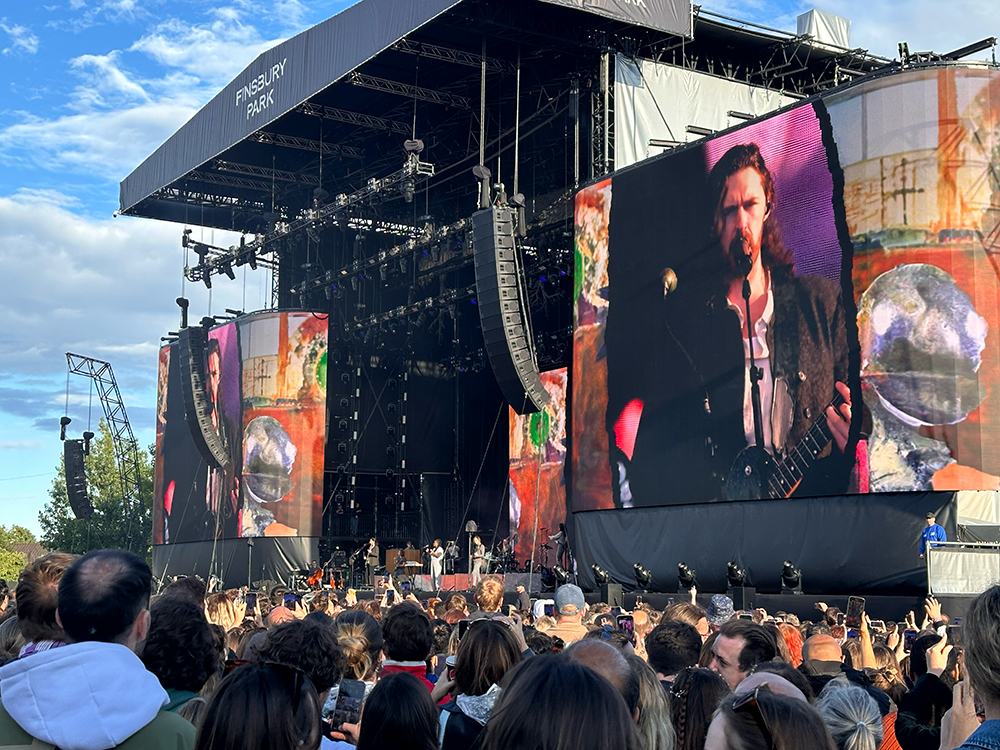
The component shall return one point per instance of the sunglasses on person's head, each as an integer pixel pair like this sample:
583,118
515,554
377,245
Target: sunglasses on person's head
748,702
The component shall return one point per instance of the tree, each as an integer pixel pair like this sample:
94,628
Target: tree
111,525
11,562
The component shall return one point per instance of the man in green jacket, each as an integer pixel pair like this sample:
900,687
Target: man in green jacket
93,693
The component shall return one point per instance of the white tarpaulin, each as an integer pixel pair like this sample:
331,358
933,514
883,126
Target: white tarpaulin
657,102
826,28
962,571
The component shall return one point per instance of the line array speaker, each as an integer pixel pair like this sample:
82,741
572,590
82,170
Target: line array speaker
76,479
197,411
506,326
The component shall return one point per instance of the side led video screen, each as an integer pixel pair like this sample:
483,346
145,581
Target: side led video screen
864,228
265,385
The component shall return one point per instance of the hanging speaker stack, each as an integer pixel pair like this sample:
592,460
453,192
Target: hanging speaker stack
506,325
76,479
197,409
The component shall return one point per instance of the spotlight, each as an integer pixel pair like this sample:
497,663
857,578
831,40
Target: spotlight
561,575
643,578
227,268
735,575
63,424
408,189
207,278
601,576
413,146
687,578
791,578
319,197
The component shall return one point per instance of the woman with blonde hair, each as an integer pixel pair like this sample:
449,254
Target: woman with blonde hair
225,610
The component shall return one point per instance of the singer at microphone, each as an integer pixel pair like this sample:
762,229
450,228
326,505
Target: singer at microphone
799,337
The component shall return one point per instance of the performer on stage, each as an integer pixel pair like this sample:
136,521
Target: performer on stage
437,564
478,556
451,554
800,345
372,555
399,564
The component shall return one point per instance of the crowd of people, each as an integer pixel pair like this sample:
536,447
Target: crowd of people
93,661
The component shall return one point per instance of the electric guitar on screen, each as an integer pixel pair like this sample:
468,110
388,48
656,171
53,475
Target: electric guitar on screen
755,475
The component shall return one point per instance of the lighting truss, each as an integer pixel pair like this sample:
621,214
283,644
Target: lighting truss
404,249
217,258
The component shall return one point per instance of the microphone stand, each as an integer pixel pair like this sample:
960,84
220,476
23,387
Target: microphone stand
756,374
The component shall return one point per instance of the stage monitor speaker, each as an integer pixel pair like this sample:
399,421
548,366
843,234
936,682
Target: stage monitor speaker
192,343
502,310
611,593
743,597
76,479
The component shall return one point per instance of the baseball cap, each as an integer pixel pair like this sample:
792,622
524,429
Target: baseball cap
930,515
569,600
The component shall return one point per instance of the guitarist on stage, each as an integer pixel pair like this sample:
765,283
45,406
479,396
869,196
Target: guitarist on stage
692,430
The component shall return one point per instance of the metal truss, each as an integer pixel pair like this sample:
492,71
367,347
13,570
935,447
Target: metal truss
408,90
267,173
353,118
405,311
219,260
404,249
126,449
446,54
306,144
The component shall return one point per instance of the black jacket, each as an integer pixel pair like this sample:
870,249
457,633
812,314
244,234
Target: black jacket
819,673
918,723
703,361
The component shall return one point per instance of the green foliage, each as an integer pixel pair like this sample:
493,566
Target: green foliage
12,562
111,525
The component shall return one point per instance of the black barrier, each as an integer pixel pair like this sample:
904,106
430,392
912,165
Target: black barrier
843,544
264,558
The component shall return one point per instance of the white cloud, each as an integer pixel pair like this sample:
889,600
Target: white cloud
21,39
120,117
20,445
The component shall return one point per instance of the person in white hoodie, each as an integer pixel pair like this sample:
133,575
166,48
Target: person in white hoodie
94,693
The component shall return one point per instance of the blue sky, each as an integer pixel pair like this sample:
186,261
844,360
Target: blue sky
88,88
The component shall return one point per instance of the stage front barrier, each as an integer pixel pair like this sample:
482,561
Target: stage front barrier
962,569
846,544
236,560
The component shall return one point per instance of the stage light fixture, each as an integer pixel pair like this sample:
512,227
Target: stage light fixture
601,576
643,577
561,575
207,278
735,575
791,578
227,268
739,115
319,196
697,130
408,188
687,578
413,146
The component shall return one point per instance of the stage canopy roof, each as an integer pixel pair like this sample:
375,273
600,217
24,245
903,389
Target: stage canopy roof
332,106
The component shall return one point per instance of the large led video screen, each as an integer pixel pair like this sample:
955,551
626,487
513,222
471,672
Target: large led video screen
265,383
865,228
537,444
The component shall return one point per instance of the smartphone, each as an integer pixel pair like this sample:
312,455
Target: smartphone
463,627
390,596
405,588
616,611
840,618
955,636
349,699
626,624
638,601
745,616
877,625
423,603
291,599
855,610
909,636
671,600
550,610
251,599
956,621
